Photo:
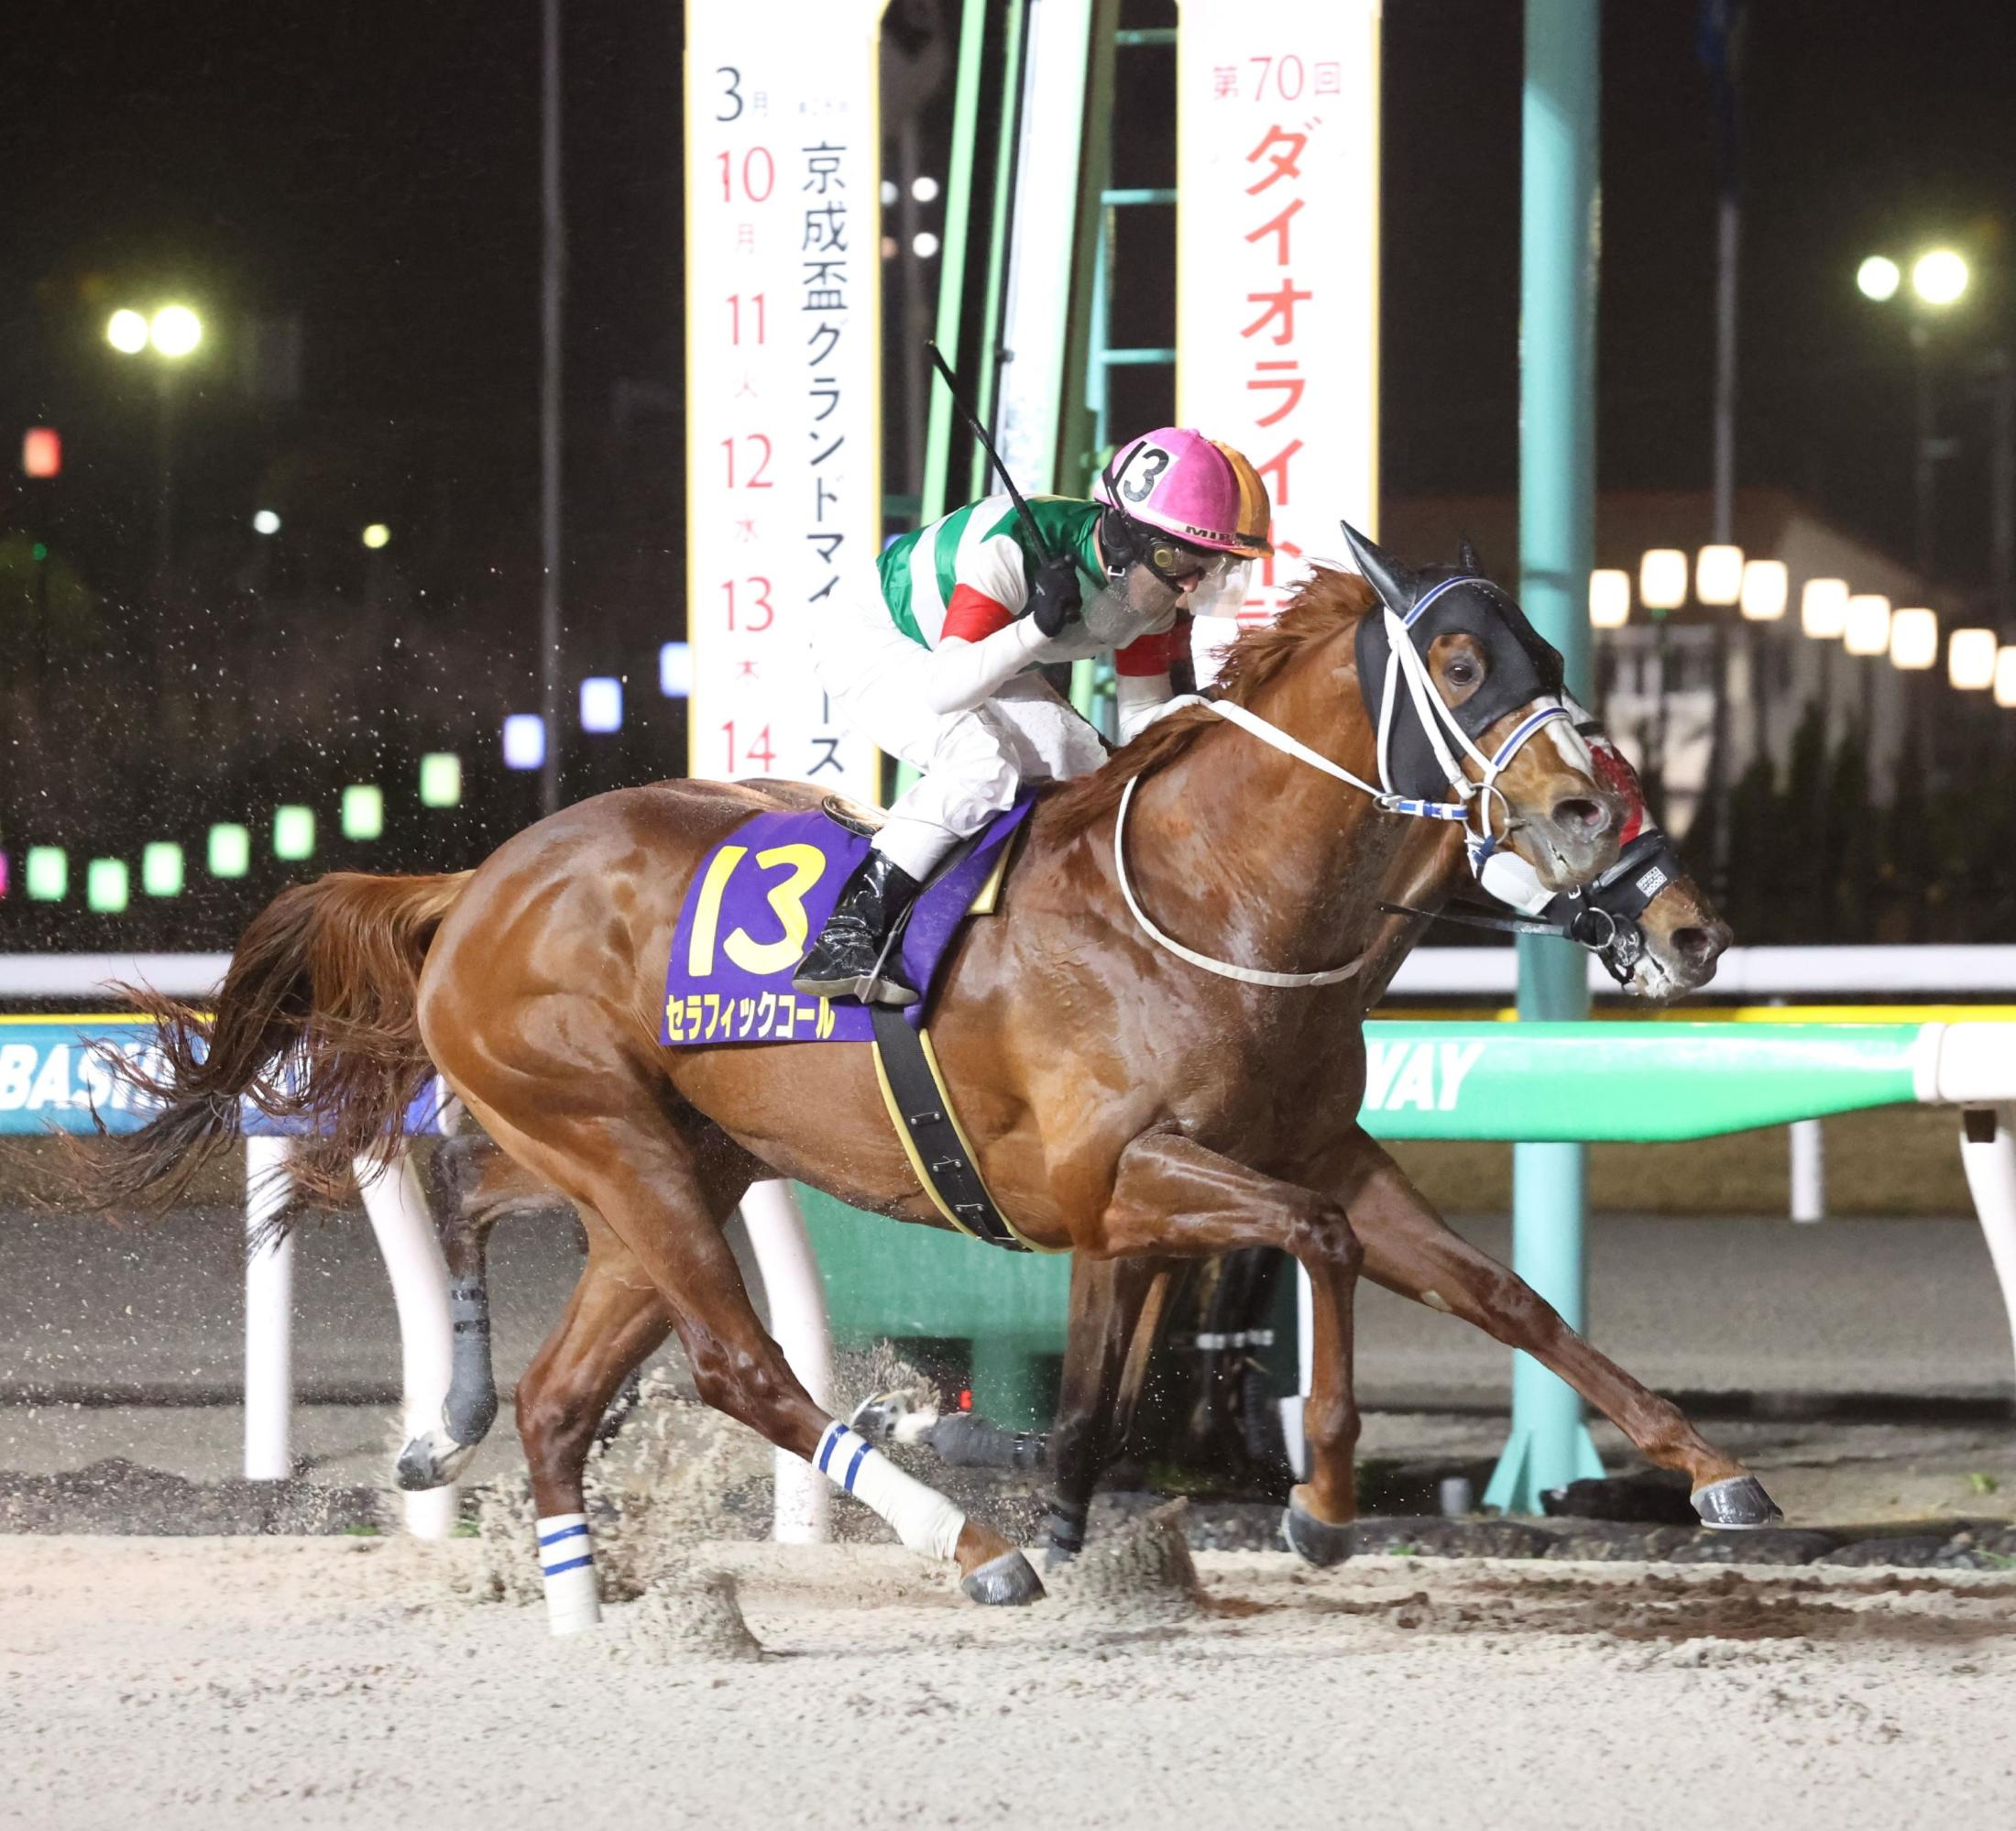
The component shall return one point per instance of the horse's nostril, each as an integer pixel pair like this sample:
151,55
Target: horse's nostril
1694,945
1580,814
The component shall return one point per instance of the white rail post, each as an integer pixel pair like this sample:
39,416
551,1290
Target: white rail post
269,1315
419,1272
1809,1170
798,1322
1987,1152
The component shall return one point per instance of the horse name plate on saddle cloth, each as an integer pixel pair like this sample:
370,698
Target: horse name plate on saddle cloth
758,899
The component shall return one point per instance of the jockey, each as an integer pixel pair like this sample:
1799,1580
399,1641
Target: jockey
934,659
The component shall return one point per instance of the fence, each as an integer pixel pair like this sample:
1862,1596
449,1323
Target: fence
1580,1082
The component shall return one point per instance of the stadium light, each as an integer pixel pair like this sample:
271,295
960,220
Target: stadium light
266,522
1939,278
1767,589
1878,278
1970,659
175,331
228,852
1867,629
47,873
107,889
1718,574
1609,598
126,330
1914,639
363,811
2005,676
162,868
524,741
377,535
602,703
41,452
1662,579
1823,608
440,779
293,831
675,669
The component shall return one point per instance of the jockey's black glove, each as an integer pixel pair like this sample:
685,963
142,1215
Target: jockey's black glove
1056,598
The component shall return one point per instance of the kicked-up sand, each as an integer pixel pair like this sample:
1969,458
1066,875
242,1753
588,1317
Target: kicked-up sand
227,1682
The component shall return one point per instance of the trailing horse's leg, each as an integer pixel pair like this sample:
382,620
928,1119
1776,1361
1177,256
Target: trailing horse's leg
1095,1404
1410,1249
661,1181
1173,1197
453,1185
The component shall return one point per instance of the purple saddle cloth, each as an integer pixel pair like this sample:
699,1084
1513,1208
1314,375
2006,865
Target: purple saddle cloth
756,902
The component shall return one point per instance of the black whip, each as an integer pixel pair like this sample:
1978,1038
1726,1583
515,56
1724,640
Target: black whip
987,445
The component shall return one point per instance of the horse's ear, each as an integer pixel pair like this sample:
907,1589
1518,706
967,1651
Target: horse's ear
1387,577
1466,558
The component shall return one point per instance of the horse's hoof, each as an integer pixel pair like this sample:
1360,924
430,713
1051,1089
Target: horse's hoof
430,1461
894,1416
1735,1504
1063,1540
1314,1540
1004,1582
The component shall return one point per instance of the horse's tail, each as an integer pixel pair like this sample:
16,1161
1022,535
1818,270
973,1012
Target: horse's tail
317,1021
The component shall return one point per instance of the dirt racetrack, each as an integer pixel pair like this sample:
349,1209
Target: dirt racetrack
317,1682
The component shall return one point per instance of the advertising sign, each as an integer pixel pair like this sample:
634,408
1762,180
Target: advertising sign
783,423
1277,264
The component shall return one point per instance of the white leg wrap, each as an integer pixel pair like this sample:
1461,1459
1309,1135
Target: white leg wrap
923,1518
566,1560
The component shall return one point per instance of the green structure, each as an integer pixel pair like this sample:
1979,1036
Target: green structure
1558,205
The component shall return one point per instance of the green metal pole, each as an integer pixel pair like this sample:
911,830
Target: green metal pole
997,232
958,211
1559,191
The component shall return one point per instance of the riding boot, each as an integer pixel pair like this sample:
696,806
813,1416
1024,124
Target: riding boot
842,961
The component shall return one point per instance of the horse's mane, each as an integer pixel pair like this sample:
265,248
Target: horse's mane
1331,600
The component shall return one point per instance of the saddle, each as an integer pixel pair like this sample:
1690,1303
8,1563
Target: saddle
759,895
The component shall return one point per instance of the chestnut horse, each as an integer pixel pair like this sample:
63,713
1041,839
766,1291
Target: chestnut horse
1121,1101
1118,1307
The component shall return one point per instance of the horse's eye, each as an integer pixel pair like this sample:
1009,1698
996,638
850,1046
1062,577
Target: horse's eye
1462,671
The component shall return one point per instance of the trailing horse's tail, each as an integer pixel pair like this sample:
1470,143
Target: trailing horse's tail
316,1021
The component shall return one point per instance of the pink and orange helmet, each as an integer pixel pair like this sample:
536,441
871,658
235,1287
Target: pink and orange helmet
1195,490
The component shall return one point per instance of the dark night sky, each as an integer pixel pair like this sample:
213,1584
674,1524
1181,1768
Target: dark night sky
373,167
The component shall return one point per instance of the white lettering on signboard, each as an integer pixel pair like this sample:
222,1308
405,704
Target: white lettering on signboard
1278,266
783,473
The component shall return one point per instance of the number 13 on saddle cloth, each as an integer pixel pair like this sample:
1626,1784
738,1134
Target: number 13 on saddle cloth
762,891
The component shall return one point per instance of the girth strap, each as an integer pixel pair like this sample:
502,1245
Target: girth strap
920,1108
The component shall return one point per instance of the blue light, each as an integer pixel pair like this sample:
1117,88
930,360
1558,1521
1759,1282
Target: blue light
524,741
602,703
675,670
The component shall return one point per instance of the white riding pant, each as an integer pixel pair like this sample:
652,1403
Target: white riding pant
972,762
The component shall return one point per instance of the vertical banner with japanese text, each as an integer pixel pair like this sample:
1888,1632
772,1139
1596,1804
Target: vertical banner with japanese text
783,374
1277,264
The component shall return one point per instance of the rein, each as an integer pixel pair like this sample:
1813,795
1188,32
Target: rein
1404,657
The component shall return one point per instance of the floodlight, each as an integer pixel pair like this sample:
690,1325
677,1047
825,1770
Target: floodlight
1609,598
1914,639
1718,574
1823,608
229,849
440,779
1867,629
1662,579
105,886
48,874
602,703
363,811
1767,588
294,832
524,741
162,868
